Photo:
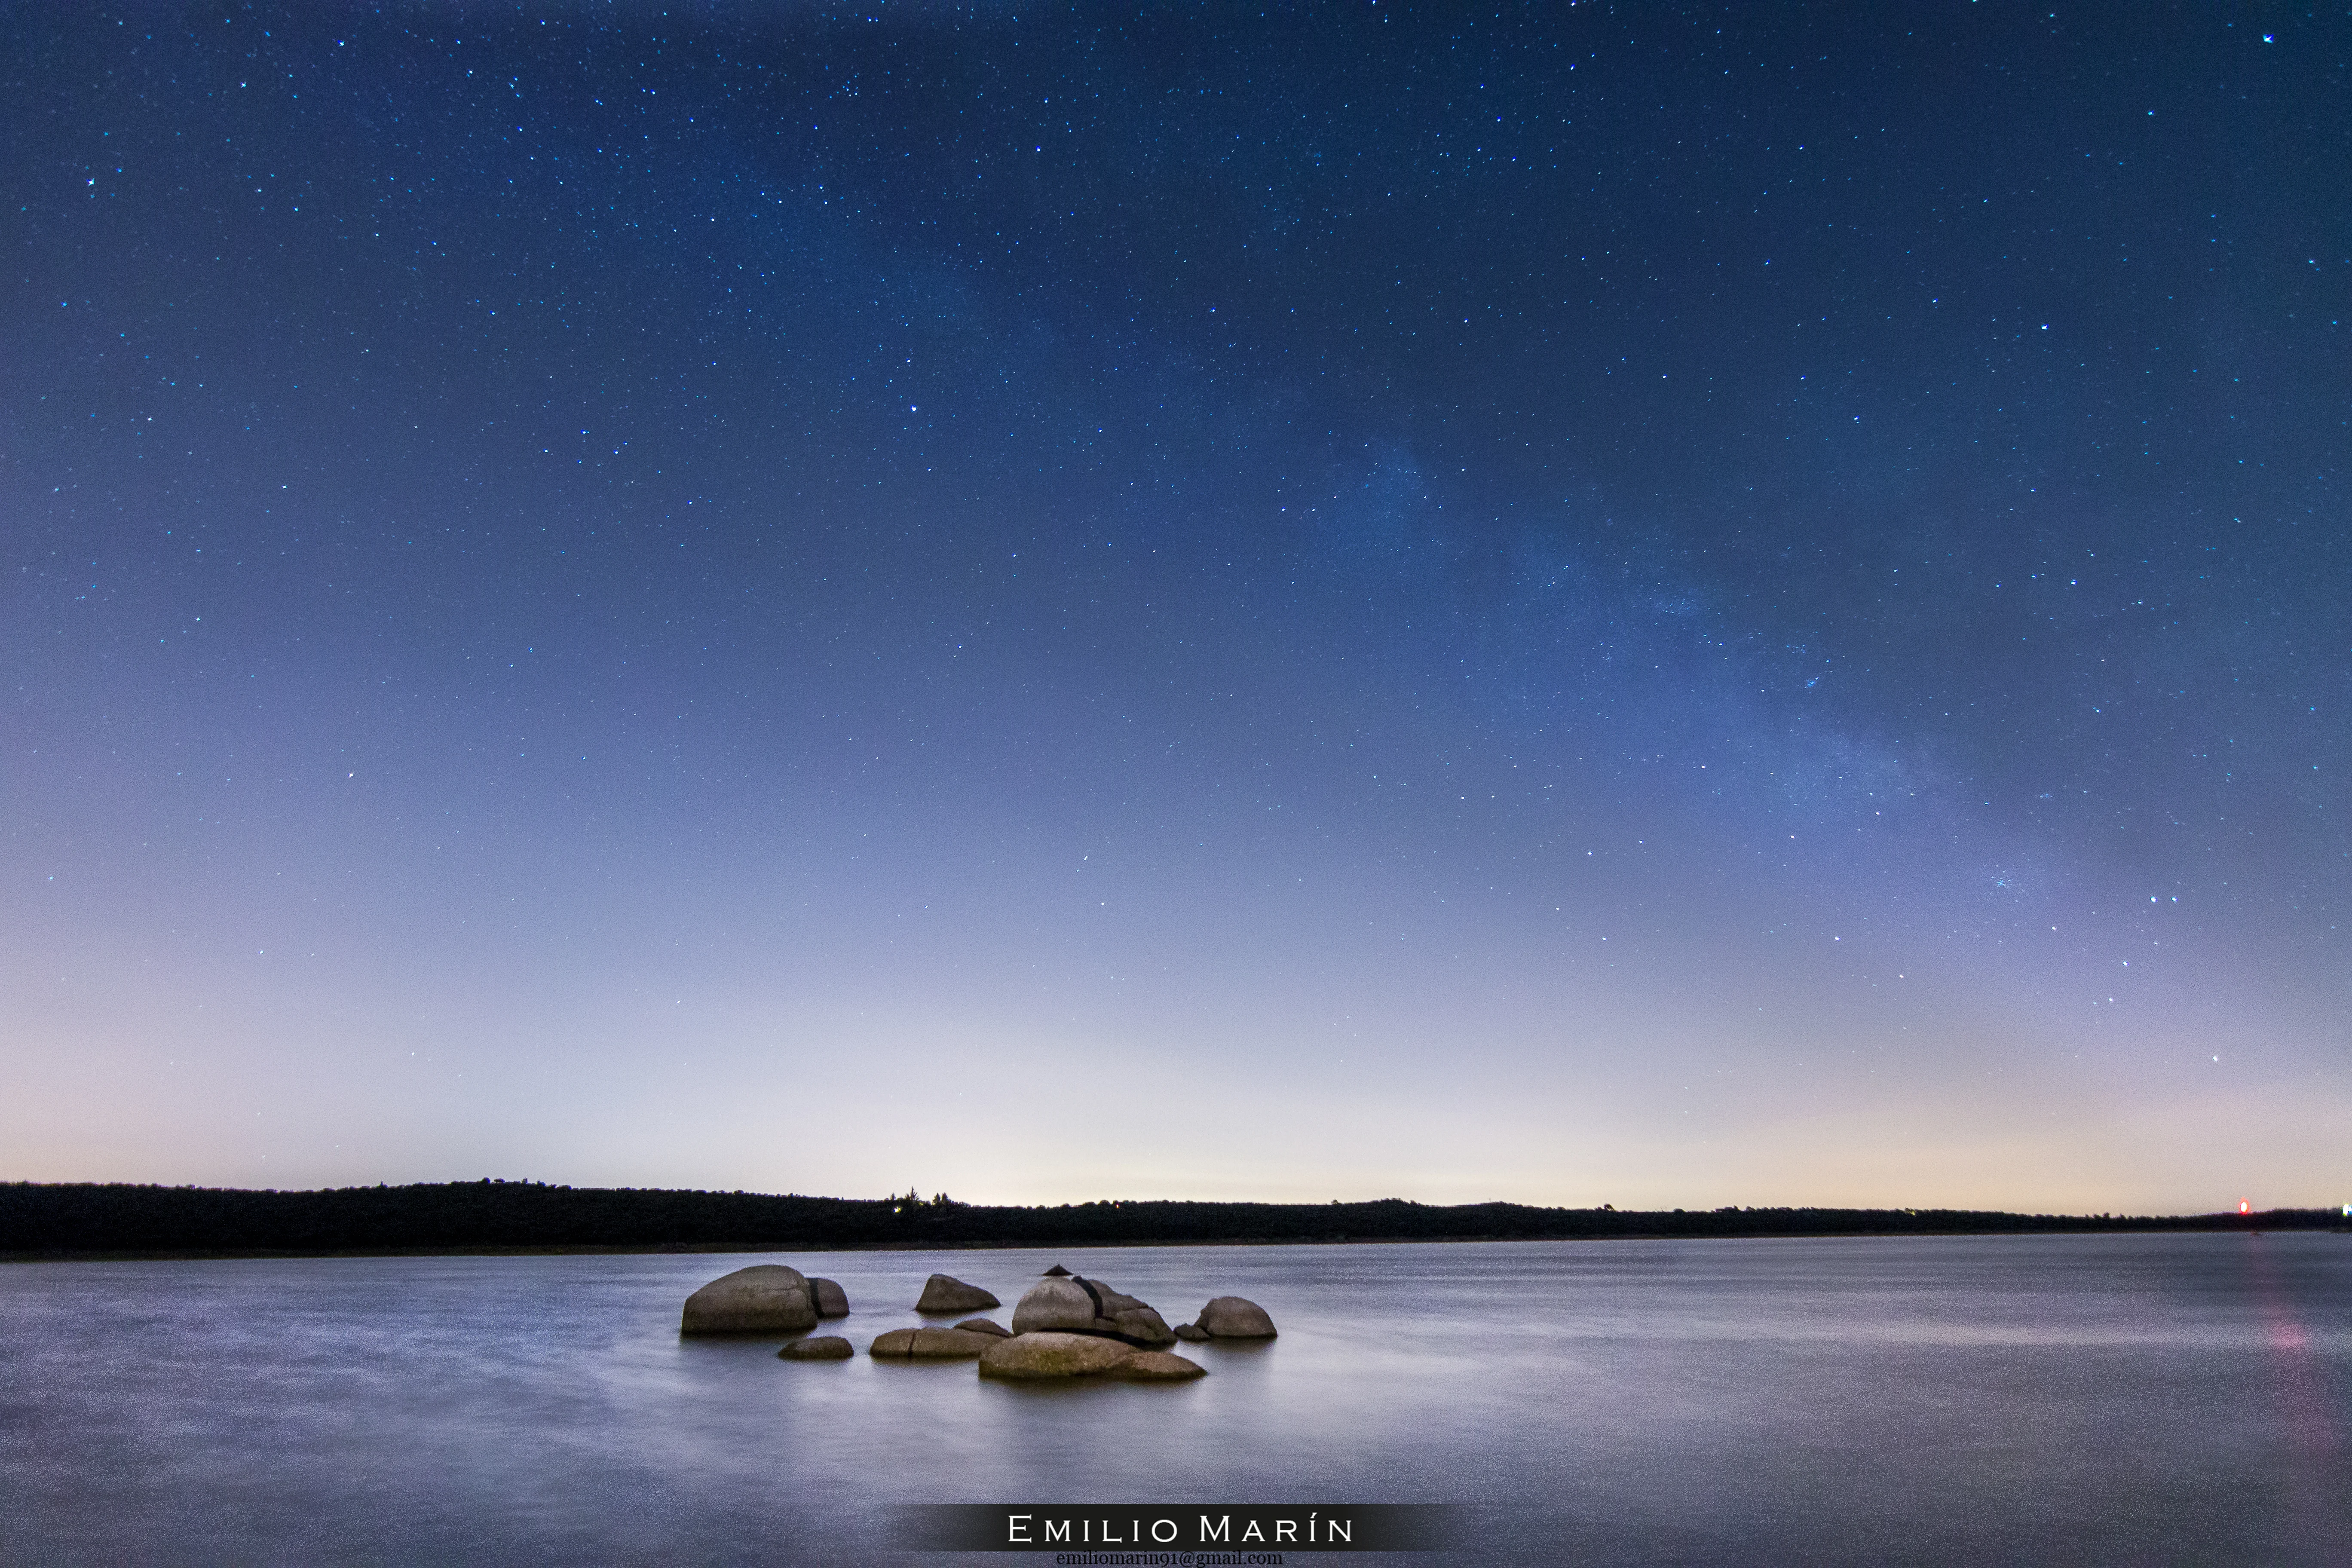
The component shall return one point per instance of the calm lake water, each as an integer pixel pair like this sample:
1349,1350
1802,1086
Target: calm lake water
2171,1399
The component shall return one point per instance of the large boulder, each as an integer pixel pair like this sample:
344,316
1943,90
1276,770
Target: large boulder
1051,1304
1063,1302
946,1293
983,1326
929,1344
830,1299
1024,1357
1232,1318
766,1298
1158,1366
817,1347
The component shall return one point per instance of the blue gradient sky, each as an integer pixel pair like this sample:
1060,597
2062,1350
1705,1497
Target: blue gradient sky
1654,605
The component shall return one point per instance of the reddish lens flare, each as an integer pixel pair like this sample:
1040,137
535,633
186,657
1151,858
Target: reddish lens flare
2245,1208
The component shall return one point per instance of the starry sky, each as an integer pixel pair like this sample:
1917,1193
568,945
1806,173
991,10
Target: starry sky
1666,605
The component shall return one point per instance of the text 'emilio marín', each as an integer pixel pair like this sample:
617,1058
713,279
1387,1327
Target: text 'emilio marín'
1079,1529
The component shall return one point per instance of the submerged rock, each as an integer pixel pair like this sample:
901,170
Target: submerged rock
766,1298
1233,1318
820,1347
930,1344
946,1293
983,1326
1159,1367
830,1299
1051,1355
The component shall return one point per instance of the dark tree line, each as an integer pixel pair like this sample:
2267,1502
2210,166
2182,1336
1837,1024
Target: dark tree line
53,1220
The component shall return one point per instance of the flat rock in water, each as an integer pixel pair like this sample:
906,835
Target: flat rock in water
821,1347
983,1326
1233,1318
1052,1355
1189,1333
929,1344
1159,1367
1052,1304
946,1293
766,1298
832,1301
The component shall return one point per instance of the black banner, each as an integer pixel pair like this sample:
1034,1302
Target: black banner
1184,1528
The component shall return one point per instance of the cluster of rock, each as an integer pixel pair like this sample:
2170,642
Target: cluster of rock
766,1298
1063,1302
1063,1326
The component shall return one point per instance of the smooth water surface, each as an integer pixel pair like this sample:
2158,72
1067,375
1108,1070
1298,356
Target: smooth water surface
2153,1399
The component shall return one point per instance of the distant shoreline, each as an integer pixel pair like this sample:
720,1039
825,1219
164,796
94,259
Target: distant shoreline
693,1249
89,1222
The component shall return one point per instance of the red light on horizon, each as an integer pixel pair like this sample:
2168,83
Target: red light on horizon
2245,1208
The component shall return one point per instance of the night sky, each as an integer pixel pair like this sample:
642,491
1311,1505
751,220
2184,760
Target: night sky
1658,606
